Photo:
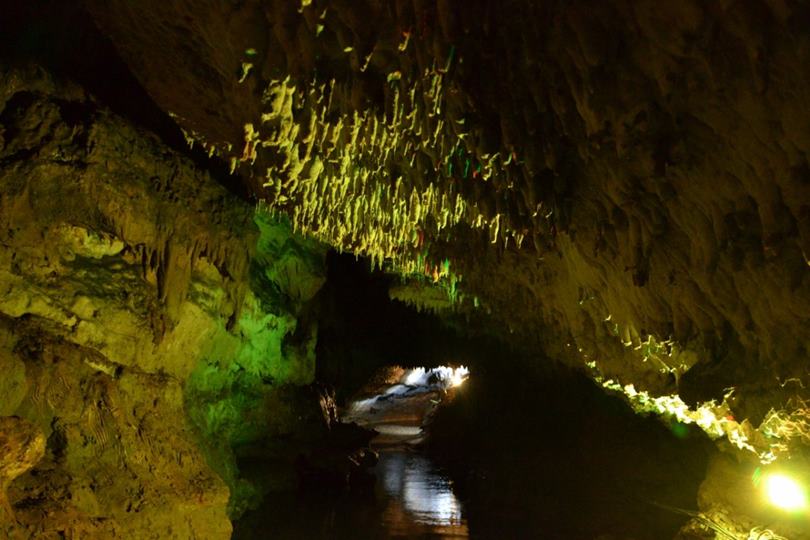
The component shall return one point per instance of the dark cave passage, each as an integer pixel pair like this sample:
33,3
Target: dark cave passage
513,452
407,494
360,329
551,456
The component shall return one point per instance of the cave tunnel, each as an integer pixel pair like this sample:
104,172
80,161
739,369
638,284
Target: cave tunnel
491,447
404,269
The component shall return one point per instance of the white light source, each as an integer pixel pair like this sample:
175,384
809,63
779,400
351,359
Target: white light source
460,374
444,376
784,492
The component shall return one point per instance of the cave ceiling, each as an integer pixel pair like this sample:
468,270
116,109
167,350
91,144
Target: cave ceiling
621,184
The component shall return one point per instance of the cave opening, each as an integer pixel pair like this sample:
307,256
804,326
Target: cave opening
398,403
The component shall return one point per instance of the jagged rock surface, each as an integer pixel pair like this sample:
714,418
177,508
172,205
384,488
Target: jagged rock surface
128,280
664,144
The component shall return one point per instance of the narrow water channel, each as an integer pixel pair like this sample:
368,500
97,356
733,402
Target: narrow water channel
421,498
411,496
507,457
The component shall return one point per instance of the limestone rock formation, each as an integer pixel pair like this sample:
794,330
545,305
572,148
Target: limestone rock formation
22,445
622,184
138,301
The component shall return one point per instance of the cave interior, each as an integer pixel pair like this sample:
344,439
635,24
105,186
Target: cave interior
405,269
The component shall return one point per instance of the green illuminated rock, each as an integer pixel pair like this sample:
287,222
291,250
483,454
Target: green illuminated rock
148,328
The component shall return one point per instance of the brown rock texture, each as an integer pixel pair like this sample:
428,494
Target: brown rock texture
98,332
140,302
22,445
622,184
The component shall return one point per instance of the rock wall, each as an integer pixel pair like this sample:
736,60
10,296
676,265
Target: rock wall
143,309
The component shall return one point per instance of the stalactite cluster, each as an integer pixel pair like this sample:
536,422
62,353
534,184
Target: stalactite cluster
379,184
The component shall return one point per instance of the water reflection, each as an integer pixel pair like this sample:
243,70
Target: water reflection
427,495
410,499
419,500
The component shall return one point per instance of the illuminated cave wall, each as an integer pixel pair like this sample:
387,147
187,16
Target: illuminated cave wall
148,322
233,397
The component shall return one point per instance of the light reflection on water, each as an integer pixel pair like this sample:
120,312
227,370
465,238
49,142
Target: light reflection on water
425,494
410,499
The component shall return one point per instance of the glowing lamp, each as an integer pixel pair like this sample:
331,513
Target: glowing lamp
784,492
460,375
